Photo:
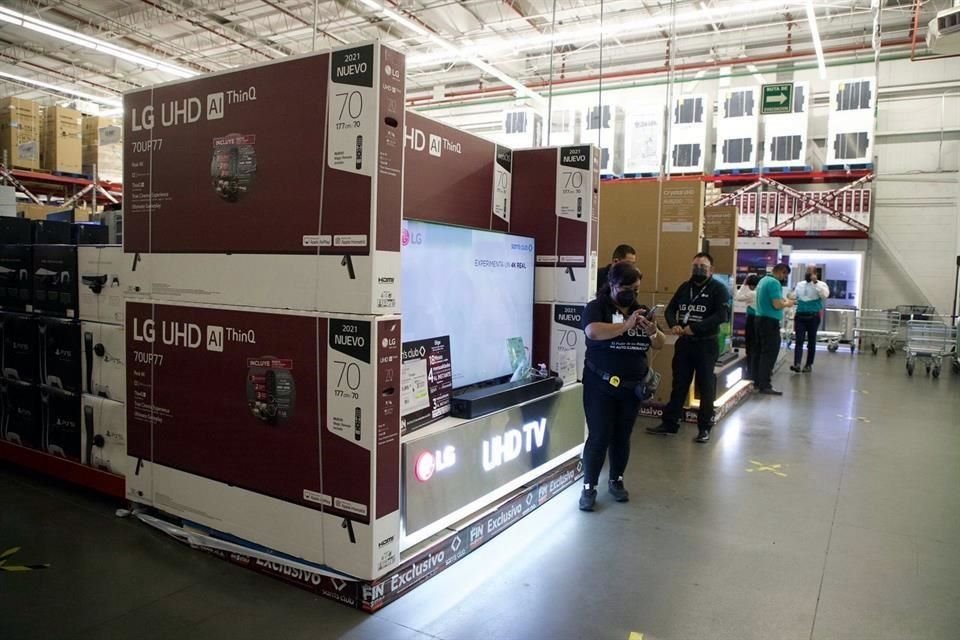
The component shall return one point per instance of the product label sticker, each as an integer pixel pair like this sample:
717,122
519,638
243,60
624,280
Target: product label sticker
27,150
502,183
568,345
352,110
414,394
547,259
574,183
349,381
350,506
350,241
317,241
572,259
677,227
111,135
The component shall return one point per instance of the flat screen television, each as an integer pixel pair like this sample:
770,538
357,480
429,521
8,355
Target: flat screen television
475,287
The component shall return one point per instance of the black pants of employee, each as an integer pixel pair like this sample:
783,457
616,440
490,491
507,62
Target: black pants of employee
805,326
693,356
767,348
749,343
611,414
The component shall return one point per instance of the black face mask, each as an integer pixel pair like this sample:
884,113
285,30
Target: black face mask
700,273
626,298
808,277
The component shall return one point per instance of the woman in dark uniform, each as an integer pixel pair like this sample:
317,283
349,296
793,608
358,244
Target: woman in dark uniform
619,337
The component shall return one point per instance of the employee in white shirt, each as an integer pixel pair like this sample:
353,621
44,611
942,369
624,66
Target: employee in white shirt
811,295
747,294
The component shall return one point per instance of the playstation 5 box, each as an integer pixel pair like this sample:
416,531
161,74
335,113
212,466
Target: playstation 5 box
103,437
242,419
102,353
278,185
103,272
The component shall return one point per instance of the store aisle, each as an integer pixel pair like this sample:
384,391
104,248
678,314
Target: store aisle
829,513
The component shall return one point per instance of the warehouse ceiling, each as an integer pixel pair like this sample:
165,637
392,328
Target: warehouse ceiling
456,49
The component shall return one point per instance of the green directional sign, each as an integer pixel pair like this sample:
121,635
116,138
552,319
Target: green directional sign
777,98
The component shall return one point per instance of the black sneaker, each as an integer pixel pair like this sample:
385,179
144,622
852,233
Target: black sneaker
702,436
795,368
770,391
619,493
664,429
808,368
588,498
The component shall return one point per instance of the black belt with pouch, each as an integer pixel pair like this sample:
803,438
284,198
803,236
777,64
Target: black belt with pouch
644,388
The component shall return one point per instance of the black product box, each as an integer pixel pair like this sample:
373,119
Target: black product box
55,280
60,360
15,230
91,233
20,414
52,232
19,348
60,423
16,277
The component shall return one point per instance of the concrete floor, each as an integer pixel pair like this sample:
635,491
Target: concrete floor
855,535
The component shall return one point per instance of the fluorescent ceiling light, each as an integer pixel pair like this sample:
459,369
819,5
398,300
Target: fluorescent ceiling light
817,45
655,24
94,44
109,102
452,52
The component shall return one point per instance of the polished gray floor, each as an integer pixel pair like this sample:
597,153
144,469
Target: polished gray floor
856,534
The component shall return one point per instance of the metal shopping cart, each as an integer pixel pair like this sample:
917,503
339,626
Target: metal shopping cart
931,341
837,329
877,327
909,312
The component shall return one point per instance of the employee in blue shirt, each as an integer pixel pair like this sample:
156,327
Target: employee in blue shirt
810,294
770,306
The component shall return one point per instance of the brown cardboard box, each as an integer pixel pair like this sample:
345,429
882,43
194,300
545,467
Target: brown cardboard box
19,133
103,147
662,363
61,148
681,230
35,211
720,232
629,214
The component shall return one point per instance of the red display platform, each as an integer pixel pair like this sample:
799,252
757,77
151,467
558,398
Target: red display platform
62,469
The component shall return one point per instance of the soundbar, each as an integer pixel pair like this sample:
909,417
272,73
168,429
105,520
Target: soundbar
480,402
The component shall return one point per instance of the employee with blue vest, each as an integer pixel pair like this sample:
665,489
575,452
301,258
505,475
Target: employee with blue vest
810,295
770,306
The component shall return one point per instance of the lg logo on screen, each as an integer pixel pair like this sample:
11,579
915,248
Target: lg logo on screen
428,463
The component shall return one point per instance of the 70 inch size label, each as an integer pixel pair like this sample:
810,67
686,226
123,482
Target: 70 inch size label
352,112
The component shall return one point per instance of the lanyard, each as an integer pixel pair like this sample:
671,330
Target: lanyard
686,316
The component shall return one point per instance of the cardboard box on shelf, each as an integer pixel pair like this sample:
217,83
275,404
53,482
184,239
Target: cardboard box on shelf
103,271
103,439
33,211
103,147
103,353
681,231
630,210
209,452
61,148
213,144
20,133
720,230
